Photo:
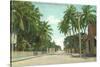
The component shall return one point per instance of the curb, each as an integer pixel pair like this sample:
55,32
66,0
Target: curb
24,58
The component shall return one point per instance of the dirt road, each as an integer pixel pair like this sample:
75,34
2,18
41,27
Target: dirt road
59,58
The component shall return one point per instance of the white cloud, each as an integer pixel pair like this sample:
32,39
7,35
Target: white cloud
52,20
59,41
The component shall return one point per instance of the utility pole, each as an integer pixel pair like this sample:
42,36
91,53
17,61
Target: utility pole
78,17
79,34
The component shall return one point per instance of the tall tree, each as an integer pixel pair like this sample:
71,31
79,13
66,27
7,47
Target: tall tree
68,23
88,16
25,19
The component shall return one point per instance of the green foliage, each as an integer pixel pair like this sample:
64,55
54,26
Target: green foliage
26,23
72,42
70,24
70,19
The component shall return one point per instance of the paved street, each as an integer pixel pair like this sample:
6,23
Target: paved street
59,58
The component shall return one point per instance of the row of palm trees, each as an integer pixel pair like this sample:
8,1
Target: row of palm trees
75,21
32,33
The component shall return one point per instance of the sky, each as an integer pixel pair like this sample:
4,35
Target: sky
53,13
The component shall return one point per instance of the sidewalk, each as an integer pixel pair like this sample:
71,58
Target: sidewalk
22,58
15,59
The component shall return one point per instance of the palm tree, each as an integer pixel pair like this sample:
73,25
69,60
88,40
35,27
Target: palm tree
44,34
25,19
69,21
88,18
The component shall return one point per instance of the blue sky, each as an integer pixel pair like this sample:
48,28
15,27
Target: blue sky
53,13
